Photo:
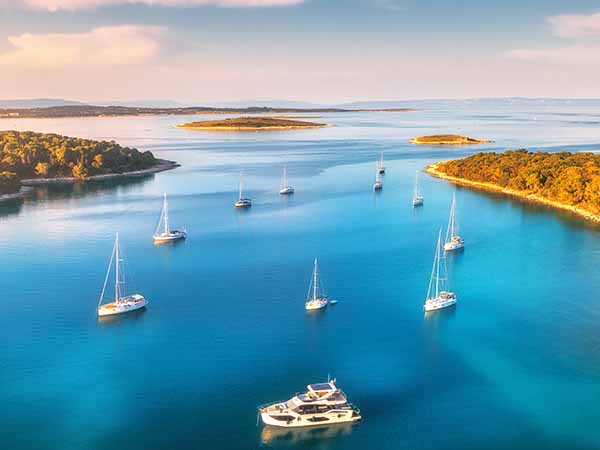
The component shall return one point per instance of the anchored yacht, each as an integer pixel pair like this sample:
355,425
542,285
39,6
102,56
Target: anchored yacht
378,185
122,304
381,167
417,197
453,240
321,404
285,188
316,298
437,295
163,233
242,202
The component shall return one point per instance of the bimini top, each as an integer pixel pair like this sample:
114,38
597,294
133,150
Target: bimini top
321,388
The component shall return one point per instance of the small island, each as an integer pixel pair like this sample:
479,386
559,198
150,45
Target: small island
568,181
447,139
250,124
28,158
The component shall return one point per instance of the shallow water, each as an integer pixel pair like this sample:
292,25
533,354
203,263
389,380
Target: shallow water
515,365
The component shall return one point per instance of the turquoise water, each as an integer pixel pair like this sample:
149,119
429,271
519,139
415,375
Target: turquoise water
515,365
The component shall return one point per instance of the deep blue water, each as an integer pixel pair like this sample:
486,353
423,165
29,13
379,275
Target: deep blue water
515,365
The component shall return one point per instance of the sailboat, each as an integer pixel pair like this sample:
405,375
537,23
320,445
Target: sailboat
285,188
162,233
316,298
121,304
381,167
417,198
242,202
437,295
378,185
453,240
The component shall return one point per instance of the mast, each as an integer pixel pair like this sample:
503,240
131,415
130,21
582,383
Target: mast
437,263
240,185
450,231
381,163
315,280
166,214
117,267
377,173
284,182
417,184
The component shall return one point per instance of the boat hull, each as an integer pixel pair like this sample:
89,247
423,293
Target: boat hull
439,303
454,245
243,203
125,305
287,190
169,237
378,186
290,419
313,305
418,201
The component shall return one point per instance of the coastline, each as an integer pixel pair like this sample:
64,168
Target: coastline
162,165
23,192
433,171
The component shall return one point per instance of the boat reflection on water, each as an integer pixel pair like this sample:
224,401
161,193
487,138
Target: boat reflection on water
292,436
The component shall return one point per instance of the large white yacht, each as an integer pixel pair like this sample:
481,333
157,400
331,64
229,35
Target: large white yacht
122,304
321,404
242,202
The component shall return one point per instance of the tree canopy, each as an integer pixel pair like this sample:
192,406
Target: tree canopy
569,178
26,154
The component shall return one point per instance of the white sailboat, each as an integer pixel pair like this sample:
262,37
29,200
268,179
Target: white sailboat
453,240
381,167
315,299
163,233
378,185
121,304
242,202
417,198
285,188
437,295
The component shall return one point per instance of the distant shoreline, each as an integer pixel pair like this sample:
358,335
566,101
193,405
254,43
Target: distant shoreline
433,171
160,167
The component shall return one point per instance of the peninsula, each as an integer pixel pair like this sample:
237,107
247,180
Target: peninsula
28,158
447,139
568,181
251,124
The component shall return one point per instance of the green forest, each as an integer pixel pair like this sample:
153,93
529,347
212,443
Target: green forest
568,178
24,154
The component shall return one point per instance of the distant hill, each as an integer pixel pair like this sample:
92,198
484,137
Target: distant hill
37,103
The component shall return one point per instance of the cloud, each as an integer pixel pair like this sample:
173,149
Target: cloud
583,30
104,46
576,26
69,5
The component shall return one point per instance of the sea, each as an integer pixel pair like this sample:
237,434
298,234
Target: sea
516,364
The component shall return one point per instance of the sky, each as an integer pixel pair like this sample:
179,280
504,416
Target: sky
322,51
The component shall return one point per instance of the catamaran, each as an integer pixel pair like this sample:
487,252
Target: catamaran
378,185
162,233
381,167
122,304
437,295
453,240
285,188
242,202
417,198
322,404
316,298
